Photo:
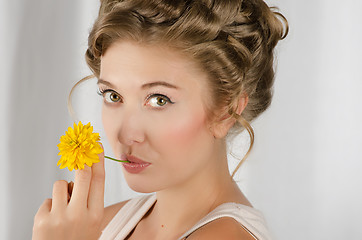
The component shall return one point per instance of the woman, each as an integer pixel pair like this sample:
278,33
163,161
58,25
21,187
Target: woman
177,78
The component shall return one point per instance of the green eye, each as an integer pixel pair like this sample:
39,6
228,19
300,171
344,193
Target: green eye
111,97
161,101
158,101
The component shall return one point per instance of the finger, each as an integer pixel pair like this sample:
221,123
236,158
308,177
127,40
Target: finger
45,207
60,195
81,187
96,191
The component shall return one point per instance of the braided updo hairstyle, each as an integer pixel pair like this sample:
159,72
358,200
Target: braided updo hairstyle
231,40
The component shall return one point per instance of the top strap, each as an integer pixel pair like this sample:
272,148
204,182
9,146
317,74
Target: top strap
250,219
128,217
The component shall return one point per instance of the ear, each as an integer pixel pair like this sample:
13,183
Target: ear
221,127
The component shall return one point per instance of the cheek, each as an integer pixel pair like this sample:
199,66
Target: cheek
108,126
184,133
105,121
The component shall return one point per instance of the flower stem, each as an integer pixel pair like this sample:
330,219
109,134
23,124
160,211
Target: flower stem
116,159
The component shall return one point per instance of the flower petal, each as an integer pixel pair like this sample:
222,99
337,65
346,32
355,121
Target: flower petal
79,146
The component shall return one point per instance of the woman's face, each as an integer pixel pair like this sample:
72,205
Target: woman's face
153,109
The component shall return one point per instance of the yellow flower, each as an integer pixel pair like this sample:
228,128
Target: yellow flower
79,146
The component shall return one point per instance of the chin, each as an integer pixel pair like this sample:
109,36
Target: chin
141,189
139,184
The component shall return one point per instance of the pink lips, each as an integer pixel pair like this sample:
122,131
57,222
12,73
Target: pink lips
135,165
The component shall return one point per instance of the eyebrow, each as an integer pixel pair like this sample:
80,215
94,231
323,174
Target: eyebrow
144,86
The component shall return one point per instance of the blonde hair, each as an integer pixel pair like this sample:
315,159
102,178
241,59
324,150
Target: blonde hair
232,41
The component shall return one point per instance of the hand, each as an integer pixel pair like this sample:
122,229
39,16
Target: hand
73,214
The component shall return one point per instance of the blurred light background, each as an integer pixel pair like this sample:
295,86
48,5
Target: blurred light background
304,172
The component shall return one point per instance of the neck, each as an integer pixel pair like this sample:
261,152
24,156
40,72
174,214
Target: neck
179,208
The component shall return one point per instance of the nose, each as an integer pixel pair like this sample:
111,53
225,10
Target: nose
131,129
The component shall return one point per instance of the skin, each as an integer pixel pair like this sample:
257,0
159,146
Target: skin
63,216
187,153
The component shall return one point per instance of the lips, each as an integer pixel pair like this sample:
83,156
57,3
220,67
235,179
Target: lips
132,159
135,164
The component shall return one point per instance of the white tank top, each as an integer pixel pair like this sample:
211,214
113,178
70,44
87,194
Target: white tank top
132,212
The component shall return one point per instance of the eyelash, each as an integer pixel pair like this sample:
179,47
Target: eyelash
102,91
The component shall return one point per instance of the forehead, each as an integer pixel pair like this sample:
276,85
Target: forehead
143,63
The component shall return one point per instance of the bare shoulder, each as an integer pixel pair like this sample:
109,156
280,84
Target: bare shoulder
110,212
222,228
